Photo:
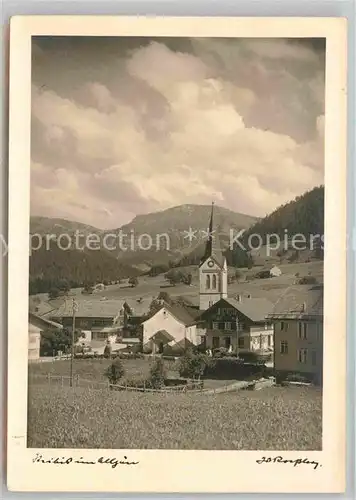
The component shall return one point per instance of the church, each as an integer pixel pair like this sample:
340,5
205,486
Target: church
234,323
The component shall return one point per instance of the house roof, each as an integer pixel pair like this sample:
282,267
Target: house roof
90,308
256,309
96,308
181,313
299,302
41,322
163,335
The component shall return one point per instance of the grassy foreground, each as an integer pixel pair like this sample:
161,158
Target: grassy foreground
93,369
276,418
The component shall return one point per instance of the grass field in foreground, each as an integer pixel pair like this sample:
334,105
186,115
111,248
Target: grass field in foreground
276,418
93,369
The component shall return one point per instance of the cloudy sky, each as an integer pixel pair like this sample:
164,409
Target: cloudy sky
124,126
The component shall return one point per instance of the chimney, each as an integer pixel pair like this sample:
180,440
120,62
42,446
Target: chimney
238,298
248,295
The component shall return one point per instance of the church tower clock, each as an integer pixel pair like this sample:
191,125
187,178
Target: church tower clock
212,270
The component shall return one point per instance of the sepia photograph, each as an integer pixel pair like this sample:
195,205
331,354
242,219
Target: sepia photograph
175,225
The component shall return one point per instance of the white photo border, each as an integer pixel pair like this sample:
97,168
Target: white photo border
180,471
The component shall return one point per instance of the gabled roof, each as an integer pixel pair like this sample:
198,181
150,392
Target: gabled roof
162,335
41,322
94,307
179,312
300,302
256,309
212,247
89,308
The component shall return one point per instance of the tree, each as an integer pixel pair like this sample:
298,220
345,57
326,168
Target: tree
165,297
63,286
193,365
57,340
308,280
107,351
238,274
158,269
174,276
158,374
133,281
53,293
115,371
189,279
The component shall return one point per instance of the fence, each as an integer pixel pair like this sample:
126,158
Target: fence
64,381
192,387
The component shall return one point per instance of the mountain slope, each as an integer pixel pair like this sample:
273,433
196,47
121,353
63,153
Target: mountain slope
302,216
174,223
48,225
48,267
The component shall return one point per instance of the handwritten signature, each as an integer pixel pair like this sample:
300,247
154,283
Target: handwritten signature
113,462
281,460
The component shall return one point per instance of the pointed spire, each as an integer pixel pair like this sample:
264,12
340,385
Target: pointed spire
212,247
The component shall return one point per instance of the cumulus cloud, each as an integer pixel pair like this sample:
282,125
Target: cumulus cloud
151,126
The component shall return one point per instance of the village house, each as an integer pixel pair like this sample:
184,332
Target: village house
36,326
101,320
298,332
269,272
170,326
239,324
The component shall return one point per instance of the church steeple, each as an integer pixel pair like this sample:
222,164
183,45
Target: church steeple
212,247
212,269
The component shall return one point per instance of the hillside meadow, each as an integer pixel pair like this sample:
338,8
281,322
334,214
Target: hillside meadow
274,419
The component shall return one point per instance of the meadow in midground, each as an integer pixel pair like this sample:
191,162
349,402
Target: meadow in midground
275,418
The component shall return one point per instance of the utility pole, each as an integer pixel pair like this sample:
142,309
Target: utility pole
237,336
72,355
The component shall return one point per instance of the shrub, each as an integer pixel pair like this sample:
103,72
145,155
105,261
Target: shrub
254,357
194,365
115,371
297,377
157,374
308,280
133,281
220,352
107,351
233,368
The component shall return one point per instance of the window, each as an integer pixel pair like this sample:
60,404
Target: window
269,340
227,325
313,358
241,343
302,355
215,325
227,342
303,331
216,342
208,281
284,326
284,347
214,281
